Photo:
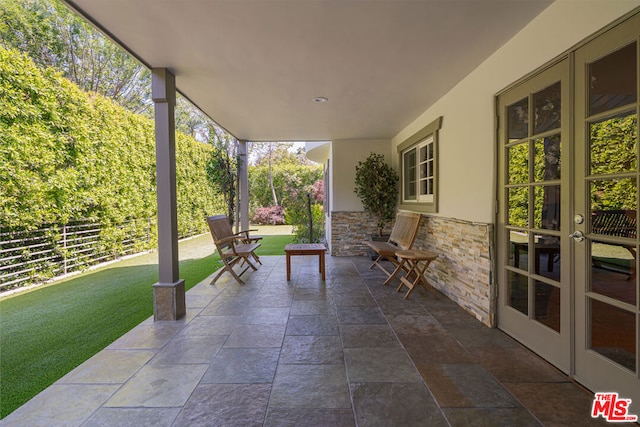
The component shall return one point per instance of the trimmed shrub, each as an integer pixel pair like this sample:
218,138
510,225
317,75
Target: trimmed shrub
66,154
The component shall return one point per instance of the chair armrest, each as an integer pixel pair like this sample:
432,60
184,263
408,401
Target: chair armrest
229,239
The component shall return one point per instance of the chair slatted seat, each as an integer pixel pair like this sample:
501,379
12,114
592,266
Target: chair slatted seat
233,248
403,234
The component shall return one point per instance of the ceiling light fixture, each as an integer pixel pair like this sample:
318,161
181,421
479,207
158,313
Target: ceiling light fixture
320,99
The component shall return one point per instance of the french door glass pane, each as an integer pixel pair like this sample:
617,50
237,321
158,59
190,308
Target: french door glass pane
613,80
614,222
519,163
547,305
613,144
518,206
546,213
613,271
547,256
613,205
518,292
518,120
613,333
547,109
519,249
547,158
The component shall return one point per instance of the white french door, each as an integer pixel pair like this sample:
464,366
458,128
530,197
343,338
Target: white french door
568,201
534,293
607,318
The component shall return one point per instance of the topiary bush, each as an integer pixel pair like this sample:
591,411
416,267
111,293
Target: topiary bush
376,186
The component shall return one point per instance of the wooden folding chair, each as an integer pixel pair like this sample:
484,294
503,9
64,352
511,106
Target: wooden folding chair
402,236
247,238
232,247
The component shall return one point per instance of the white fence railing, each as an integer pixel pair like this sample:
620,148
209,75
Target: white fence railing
34,256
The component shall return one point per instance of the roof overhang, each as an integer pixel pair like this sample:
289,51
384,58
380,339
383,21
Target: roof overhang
256,66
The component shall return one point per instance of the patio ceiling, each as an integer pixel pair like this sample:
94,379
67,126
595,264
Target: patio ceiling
254,66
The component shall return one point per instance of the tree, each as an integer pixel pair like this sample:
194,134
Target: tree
191,121
54,36
29,26
287,179
261,153
268,152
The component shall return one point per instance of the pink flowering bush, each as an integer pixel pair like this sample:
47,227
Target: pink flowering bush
272,215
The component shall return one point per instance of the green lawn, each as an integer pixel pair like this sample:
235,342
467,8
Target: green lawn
49,331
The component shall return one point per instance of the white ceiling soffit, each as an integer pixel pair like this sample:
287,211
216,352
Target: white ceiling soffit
254,66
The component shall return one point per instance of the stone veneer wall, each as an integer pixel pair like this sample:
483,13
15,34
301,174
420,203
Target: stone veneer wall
350,229
463,270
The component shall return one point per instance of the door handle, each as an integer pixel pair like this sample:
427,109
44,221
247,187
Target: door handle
577,236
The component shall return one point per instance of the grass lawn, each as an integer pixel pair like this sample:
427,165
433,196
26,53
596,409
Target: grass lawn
48,331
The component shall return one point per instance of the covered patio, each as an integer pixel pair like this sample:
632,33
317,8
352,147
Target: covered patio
348,75
343,352
396,78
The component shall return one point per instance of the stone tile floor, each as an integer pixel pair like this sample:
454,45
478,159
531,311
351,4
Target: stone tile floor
344,352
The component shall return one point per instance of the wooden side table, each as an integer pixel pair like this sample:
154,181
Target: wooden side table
305,249
413,258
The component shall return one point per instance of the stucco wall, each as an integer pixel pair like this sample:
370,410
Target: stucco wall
345,155
467,138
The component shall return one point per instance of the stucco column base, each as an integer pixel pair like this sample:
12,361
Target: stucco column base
169,301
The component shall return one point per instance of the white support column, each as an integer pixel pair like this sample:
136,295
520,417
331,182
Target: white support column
169,292
243,173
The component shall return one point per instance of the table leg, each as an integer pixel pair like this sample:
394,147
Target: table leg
419,277
395,272
322,265
288,266
550,256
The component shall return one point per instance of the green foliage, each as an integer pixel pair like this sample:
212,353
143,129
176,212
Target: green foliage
518,206
612,150
376,186
221,170
54,36
298,216
614,145
288,179
197,196
67,155
276,153
29,26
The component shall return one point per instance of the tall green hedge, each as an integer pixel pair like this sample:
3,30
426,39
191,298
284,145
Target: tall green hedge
66,154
